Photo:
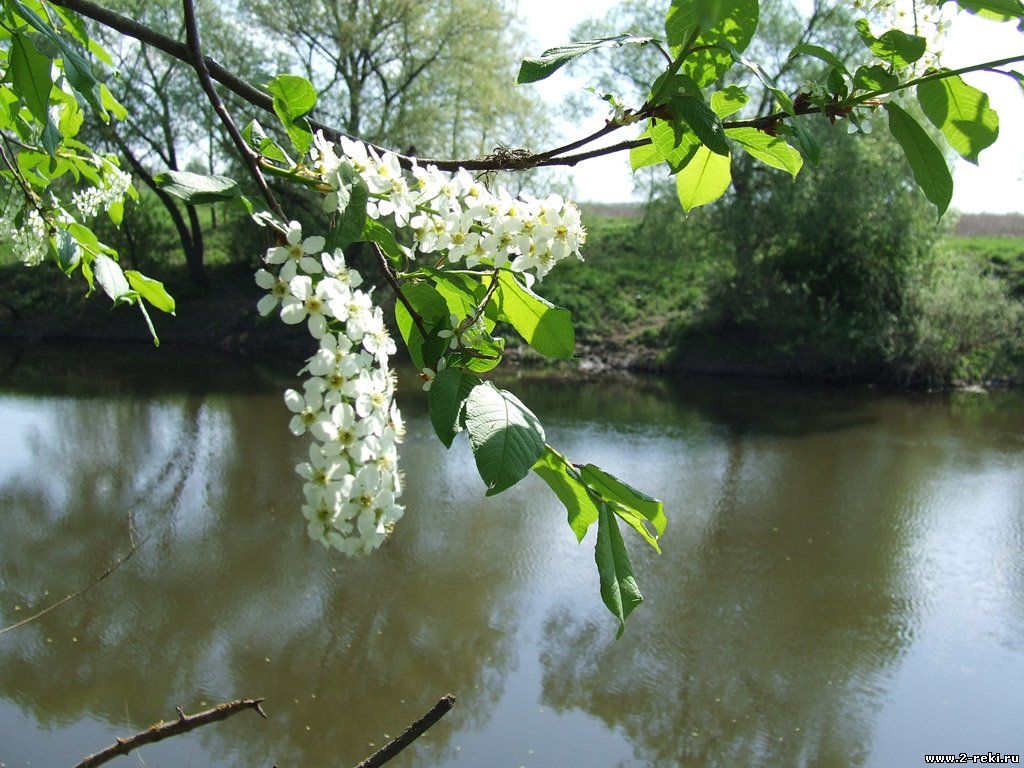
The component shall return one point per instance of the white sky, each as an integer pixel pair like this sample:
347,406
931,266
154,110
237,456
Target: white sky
996,185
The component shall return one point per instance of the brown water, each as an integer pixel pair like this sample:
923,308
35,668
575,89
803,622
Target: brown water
842,582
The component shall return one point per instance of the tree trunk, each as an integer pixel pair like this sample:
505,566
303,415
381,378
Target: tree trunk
191,238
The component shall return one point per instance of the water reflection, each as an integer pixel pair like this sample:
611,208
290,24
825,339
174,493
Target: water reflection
837,563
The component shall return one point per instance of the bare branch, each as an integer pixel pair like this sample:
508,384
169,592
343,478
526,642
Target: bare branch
183,724
389,275
82,591
199,63
390,750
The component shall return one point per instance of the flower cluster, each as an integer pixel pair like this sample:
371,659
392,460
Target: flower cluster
347,403
92,200
30,240
456,216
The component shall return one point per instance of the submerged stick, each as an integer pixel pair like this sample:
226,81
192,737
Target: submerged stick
160,731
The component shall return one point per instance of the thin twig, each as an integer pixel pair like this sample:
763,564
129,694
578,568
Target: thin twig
161,730
135,548
199,64
487,297
389,275
390,750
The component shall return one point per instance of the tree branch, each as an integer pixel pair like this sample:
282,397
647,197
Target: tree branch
499,161
410,734
198,61
389,275
160,731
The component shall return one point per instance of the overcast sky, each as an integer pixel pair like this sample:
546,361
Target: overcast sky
996,185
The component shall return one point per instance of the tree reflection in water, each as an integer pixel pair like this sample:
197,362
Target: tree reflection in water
796,602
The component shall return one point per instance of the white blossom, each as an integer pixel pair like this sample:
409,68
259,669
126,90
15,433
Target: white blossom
297,254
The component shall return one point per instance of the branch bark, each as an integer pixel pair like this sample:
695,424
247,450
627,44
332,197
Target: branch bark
198,62
390,750
389,275
161,731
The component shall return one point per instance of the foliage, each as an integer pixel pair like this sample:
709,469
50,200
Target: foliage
465,260
960,324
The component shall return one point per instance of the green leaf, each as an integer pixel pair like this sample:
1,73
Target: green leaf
505,436
50,137
737,22
433,310
673,143
618,587
926,161
836,84
564,481
110,277
151,290
111,104
300,134
997,10
66,251
809,144
1018,76
704,179
353,195
545,327
197,189
896,48
553,59
76,69
729,100
375,232
962,113
294,96
71,118
708,12
447,399
256,137
645,155
823,54
770,150
874,78
704,122
492,348
463,295
30,74
613,489
116,212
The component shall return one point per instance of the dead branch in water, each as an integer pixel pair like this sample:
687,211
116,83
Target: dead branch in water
410,734
160,731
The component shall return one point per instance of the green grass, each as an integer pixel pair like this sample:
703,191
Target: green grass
624,294
1001,256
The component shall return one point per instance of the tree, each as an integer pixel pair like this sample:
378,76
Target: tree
431,76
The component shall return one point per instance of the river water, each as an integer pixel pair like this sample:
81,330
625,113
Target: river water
842,582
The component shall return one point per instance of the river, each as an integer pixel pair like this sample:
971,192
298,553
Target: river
842,582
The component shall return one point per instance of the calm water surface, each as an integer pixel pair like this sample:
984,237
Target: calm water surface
842,582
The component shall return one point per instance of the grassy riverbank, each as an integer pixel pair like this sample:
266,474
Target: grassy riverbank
636,303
